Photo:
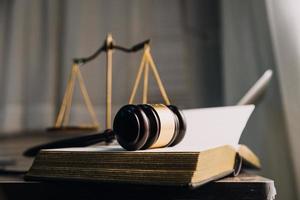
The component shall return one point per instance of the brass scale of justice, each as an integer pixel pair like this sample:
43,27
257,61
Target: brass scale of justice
135,126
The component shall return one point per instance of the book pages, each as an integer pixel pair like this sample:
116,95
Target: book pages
212,127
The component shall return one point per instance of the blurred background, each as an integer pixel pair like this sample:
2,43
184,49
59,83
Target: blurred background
208,52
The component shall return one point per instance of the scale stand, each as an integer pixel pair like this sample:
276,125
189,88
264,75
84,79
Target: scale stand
62,119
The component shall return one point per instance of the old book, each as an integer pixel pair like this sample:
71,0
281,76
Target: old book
208,152
150,167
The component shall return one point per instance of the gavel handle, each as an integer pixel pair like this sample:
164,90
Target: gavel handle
81,141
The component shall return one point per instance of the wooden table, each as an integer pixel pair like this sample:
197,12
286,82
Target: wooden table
13,144
242,187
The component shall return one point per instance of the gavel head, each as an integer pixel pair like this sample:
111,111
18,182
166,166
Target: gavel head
148,126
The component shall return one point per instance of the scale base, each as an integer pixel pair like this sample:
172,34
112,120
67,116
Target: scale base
73,129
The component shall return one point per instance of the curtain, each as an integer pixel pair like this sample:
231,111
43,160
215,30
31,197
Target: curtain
247,53
284,22
39,39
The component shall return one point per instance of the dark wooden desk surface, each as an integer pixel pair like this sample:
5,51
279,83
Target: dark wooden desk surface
13,144
243,187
